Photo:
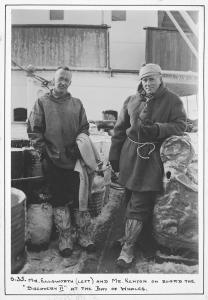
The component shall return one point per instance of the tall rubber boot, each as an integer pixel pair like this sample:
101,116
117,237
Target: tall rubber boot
132,231
62,220
83,222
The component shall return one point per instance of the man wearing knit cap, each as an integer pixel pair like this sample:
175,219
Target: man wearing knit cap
55,121
147,118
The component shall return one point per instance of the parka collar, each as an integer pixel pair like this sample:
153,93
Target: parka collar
60,99
160,91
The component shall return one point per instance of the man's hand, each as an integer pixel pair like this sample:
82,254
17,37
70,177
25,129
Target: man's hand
115,165
149,129
73,152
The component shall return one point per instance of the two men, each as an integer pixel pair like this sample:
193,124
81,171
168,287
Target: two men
146,120
55,122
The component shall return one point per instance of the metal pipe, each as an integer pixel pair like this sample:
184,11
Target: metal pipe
102,17
28,178
108,50
187,106
44,81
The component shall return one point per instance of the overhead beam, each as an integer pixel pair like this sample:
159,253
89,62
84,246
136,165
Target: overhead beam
178,27
189,21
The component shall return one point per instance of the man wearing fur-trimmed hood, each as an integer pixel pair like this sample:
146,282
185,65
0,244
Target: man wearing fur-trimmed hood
145,121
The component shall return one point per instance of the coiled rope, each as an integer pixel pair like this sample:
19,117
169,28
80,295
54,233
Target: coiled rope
141,145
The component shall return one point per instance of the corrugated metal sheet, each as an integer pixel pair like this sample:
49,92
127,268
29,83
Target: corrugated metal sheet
168,49
51,46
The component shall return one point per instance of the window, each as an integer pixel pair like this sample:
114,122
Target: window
118,15
56,14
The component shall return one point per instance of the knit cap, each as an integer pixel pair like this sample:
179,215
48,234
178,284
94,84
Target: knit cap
148,70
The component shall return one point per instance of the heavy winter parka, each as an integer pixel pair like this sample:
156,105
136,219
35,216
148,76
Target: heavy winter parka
53,126
165,109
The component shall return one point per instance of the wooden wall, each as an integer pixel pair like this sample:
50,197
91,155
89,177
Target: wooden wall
54,45
167,48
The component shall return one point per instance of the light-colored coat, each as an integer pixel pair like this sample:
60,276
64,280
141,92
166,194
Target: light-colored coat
86,167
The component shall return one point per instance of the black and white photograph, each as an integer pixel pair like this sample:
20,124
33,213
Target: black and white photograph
104,147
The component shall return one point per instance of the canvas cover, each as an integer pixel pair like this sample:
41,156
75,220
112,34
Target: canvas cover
175,219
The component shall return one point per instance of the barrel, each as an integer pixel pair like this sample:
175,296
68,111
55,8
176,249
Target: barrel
17,163
117,192
39,226
18,213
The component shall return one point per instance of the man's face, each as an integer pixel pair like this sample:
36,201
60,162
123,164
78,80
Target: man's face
62,81
151,83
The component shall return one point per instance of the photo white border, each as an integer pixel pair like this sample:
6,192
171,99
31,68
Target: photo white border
201,143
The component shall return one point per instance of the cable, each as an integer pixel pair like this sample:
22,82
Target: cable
140,145
44,81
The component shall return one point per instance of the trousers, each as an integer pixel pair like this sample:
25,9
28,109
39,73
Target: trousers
63,184
140,205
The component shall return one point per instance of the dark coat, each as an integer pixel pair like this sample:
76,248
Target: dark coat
53,126
165,109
